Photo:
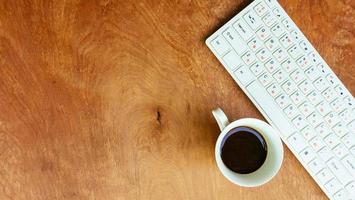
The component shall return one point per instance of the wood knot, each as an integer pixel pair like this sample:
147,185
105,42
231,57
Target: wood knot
158,116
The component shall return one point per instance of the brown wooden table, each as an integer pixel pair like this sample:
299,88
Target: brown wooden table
112,99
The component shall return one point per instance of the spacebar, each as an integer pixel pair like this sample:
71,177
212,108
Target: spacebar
269,108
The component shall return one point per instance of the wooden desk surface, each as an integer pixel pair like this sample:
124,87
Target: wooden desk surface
112,99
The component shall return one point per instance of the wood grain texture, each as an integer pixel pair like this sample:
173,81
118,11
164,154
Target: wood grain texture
111,99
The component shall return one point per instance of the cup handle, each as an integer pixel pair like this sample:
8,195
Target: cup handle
220,117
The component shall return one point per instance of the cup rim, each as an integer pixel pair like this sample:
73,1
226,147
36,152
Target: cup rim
272,163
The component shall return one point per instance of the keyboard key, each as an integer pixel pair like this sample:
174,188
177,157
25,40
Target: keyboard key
332,119
351,188
297,76
303,62
270,3
232,60
325,154
248,58
324,69
283,100
346,116
314,97
286,40
312,73
236,41
306,108
317,143
261,8
304,46
272,65
289,87
306,87
349,102
295,51
323,130
252,19
277,30
289,65
278,13
263,33
244,75
340,151
323,108
324,176
263,55
341,195
280,55
314,58
337,105
271,44
280,76
287,24
297,97
329,94
307,155
332,140
297,142
349,140
339,171
296,35
351,126
265,79
332,80
300,122
274,90
333,186
349,163
321,84
255,44
291,111
315,118
269,20
257,69
340,129
316,165
220,45
308,133
340,90
243,29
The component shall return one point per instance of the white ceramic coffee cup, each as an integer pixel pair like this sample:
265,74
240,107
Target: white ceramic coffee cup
274,155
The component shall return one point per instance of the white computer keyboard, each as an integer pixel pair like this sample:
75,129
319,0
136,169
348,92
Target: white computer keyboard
295,90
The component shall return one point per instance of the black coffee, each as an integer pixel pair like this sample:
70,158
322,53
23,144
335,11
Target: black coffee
243,150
